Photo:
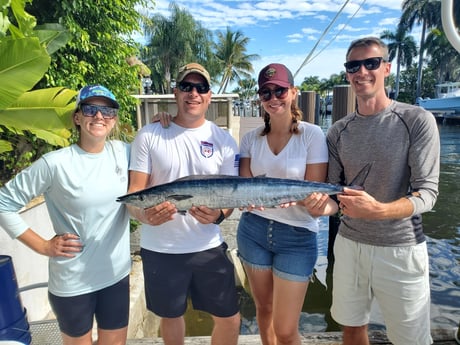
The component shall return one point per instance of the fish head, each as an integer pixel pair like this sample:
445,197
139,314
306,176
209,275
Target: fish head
135,199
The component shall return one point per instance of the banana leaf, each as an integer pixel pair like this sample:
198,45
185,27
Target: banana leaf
23,62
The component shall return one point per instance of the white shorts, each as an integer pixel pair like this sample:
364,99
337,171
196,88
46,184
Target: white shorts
398,278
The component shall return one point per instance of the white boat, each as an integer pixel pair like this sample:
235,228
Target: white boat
447,99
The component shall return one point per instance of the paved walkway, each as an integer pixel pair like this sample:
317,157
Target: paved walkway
441,337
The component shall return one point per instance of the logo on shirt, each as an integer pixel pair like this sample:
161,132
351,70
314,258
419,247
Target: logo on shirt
207,149
236,162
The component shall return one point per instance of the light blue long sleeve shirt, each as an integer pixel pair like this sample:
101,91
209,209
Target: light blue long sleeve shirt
80,191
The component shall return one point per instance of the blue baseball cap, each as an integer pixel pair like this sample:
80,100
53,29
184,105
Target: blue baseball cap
91,91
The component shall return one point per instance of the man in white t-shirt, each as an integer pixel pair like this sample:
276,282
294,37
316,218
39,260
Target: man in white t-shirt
185,255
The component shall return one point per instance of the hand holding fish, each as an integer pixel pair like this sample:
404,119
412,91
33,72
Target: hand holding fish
359,204
317,204
158,214
203,214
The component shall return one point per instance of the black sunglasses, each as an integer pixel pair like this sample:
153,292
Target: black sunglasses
91,110
370,64
266,94
186,86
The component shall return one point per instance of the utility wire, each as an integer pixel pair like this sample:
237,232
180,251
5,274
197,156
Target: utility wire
307,59
338,33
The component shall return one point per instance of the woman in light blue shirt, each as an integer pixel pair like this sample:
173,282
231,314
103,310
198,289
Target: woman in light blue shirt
90,260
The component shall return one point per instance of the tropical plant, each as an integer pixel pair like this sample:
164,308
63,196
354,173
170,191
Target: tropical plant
24,58
444,59
427,14
101,44
232,60
247,88
408,80
402,47
172,42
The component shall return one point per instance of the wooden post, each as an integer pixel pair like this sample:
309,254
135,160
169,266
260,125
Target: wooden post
343,102
307,105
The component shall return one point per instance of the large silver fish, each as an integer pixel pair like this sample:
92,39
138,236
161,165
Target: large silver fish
224,191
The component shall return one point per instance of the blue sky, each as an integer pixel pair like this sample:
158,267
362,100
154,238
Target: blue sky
286,31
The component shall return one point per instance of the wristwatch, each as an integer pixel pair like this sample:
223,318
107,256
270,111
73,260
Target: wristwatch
220,219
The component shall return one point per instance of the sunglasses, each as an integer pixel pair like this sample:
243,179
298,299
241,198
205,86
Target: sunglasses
370,64
266,94
186,86
92,110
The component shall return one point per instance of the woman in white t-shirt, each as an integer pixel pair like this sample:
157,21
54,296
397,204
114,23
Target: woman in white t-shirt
278,246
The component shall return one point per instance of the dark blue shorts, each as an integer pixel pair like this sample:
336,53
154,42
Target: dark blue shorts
290,251
208,277
110,306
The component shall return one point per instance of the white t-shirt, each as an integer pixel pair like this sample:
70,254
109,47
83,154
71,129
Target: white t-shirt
307,147
174,152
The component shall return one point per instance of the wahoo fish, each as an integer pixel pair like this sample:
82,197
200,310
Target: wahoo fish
224,191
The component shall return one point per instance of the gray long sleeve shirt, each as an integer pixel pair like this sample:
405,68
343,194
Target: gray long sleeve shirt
402,144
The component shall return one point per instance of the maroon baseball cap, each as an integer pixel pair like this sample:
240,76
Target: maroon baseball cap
275,73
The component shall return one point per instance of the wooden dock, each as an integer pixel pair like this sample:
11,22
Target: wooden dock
440,337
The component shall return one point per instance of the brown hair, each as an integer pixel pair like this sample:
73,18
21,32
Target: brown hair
369,41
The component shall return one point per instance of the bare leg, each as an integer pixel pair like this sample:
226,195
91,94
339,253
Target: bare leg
355,335
112,336
83,340
288,298
261,282
226,330
172,330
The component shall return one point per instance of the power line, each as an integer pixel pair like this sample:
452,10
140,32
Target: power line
307,59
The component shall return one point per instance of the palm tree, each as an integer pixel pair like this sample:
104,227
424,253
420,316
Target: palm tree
401,46
247,88
173,42
426,13
444,59
231,57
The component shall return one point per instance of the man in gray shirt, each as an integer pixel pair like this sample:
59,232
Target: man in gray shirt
380,250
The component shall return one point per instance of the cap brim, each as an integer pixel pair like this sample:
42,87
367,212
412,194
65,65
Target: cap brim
114,103
281,83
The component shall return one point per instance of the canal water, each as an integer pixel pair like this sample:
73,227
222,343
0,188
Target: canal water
442,227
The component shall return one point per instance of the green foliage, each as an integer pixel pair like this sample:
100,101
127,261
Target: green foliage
172,42
401,46
247,88
24,58
233,61
26,148
409,79
99,48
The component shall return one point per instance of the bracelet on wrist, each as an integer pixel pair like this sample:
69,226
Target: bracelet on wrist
220,219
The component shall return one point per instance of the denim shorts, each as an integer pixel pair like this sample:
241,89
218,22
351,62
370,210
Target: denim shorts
265,244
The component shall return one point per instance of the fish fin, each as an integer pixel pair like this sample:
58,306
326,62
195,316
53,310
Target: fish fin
179,197
361,177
